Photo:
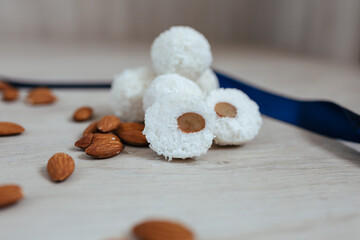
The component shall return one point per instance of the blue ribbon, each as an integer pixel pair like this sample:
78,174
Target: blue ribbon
323,117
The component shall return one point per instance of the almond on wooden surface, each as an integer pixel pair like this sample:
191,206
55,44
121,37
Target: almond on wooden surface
9,128
162,230
10,194
10,94
60,166
108,123
83,114
104,145
40,96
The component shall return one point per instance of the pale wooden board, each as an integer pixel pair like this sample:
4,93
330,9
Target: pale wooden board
286,184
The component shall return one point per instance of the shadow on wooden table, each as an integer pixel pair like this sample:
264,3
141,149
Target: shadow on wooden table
336,147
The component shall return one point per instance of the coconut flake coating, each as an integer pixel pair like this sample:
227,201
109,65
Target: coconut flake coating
163,133
208,81
127,90
169,84
181,50
244,126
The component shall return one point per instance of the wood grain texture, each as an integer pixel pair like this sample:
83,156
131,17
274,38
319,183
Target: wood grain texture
286,184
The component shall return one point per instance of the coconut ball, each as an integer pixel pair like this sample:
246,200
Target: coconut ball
127,90
238,119
208,81
179,126
181,50
169,84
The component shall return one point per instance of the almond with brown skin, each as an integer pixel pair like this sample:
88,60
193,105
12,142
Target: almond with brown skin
104,145
40,95
4,85
10,194
10,94
83,114
131,126
162,230
92,128
60,166
9,128
132,137
84,141
108,123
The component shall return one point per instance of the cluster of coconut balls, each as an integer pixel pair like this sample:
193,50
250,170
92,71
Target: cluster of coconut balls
180,101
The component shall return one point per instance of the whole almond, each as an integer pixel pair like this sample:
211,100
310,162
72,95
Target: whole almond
162,230
3,85
40,95
10,94
9,128
108,123
124,126
104,145
83,114
132,137
84,141
60,166
10,194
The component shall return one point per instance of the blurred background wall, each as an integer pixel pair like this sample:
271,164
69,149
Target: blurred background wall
327,28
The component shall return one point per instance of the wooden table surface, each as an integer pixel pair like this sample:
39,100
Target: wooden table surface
286,184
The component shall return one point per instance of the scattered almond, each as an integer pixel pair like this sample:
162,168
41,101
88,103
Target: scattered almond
92,128
162,230
40,95
9,128
132,137
131,126
108,123
4,85
84,141
10,194
104,145
10,94
83,114
60,166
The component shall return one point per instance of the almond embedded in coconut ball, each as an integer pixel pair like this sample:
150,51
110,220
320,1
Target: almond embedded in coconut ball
181,50
238,119
208,81
127,90
179,126
169,84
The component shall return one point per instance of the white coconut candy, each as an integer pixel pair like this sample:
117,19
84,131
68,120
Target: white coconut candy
181,50
179,126
169,84
238,119
208,81
127,90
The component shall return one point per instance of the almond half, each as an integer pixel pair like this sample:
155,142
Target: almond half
10,194
83,114
60,166
9,128
108,123
92,128
84,141
162,230
104,145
